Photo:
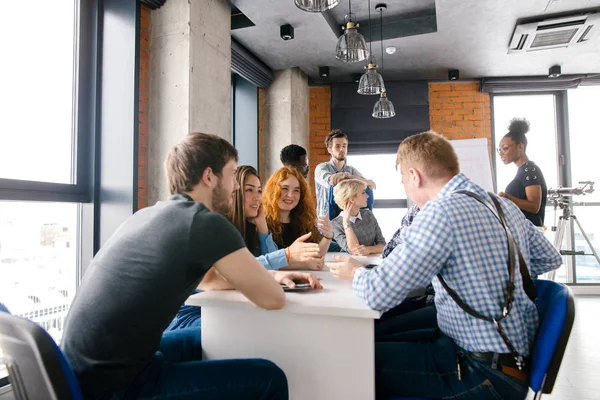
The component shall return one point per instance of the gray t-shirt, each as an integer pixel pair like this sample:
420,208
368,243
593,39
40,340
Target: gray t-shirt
135,285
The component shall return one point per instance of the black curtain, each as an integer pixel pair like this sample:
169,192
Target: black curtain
352,113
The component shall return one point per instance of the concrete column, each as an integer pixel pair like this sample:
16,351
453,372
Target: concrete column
285,116
190,79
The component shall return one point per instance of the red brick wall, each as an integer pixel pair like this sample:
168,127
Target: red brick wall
458,110
319,127
143,107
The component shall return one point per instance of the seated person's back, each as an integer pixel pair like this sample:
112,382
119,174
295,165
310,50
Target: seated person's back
158,250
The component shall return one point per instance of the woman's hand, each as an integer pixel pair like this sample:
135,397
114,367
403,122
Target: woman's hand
361,250
301,251
502,194
260,221
324,226
346,213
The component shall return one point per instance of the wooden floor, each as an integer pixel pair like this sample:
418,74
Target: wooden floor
579,376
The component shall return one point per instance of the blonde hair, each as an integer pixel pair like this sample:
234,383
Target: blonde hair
429,152
346,189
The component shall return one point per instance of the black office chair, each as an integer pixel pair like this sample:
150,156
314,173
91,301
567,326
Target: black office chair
36,366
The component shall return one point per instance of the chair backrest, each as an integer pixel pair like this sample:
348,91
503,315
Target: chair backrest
37,367
334,210
556,308
3,308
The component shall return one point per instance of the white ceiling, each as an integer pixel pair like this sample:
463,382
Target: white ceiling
472,36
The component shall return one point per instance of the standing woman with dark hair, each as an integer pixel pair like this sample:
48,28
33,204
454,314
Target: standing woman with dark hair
528,189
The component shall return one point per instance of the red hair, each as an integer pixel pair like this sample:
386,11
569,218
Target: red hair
302,217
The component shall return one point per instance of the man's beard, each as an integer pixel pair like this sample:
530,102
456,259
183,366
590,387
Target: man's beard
221,200
340,159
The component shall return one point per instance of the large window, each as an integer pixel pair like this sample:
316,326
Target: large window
390,199
38,260
47,81
36,77
549,143
585,141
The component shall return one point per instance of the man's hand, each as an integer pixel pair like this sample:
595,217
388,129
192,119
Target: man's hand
361,250
337,178
371,184
344,267
301,251
290,279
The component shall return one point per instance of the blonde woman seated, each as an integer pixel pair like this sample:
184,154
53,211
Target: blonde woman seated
355,230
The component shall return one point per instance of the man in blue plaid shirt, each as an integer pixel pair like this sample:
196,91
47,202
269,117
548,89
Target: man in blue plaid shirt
461,239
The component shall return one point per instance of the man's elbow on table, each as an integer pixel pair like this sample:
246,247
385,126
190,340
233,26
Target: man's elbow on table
272,302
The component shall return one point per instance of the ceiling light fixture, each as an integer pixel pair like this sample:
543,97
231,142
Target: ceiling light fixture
390,49
371,82
351,46
384,108
316,5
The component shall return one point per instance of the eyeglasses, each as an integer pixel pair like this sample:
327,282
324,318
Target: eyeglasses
504,149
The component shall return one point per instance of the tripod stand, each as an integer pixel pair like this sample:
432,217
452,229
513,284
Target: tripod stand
565,205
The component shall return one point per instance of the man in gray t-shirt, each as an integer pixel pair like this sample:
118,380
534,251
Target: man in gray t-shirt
146,270
335,170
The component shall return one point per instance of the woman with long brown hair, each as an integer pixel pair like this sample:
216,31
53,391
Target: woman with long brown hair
247,215
290,212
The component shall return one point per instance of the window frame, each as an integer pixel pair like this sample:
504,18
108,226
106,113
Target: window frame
83,121
563,147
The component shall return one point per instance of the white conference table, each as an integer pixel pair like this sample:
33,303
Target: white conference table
322,339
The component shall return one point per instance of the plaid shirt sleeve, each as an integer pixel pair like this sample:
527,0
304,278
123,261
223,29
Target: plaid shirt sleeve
413,263
397,238
545,258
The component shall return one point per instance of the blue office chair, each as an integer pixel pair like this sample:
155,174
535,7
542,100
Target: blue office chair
334,210
556,308
36,366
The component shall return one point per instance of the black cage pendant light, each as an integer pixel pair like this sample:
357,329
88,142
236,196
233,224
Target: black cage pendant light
351,46
384,107
371,82
316,5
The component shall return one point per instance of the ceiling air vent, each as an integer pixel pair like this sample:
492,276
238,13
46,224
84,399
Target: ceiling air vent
554,33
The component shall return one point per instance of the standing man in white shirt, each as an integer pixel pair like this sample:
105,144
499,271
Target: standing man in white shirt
335,170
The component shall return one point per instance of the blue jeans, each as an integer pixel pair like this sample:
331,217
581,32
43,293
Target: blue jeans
176,372
429,370
187,316
408,322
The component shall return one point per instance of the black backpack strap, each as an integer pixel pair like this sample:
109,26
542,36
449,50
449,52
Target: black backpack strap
513,250
528,284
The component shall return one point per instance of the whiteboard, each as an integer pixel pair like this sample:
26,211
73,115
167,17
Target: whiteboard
475,162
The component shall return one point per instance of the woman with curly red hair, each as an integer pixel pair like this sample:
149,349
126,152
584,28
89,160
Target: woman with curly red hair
290,212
